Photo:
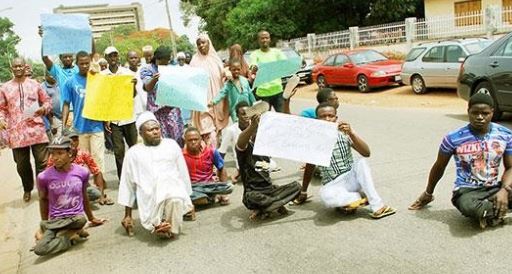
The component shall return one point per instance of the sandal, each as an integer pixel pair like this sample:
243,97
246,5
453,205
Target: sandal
128,227
358,203
383,212
105,200
190,216
301,199
223,200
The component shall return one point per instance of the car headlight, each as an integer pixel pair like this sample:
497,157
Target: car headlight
378,73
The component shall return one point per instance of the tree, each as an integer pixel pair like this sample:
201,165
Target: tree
8,42
238,21
126,38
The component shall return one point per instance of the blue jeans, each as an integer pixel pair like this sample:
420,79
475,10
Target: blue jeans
209,190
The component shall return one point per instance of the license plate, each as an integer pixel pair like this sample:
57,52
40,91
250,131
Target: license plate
398,78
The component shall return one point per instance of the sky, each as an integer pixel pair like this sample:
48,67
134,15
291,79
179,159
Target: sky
25,14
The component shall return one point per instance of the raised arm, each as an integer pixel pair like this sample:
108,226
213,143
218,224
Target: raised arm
245,136
357,142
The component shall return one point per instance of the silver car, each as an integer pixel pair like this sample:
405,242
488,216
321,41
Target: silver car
437,64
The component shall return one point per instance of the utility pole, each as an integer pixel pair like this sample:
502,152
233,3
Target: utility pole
173,39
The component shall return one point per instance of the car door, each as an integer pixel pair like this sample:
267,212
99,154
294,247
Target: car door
432,67
328,69
499,71
453,53
341,70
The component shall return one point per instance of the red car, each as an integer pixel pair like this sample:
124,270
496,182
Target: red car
365,69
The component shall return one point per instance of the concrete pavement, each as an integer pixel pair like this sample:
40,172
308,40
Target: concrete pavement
404,144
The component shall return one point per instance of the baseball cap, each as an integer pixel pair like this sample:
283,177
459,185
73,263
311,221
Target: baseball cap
61,142
110,50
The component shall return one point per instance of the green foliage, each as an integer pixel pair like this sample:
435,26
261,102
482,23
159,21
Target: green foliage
126,38
238,21
8,42
38,70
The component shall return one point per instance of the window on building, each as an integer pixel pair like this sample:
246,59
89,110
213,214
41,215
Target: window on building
468,13
507,11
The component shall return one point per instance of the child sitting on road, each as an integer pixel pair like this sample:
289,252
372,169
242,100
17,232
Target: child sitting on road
237,89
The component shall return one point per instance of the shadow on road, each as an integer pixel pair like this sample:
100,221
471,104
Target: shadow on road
459,225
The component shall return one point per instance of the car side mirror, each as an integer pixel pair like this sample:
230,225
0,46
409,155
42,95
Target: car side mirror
348,65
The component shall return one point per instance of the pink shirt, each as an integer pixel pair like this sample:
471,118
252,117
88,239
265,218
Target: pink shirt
18,102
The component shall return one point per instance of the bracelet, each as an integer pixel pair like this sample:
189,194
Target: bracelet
428,194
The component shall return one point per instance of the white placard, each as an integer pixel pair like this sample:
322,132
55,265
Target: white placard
295,138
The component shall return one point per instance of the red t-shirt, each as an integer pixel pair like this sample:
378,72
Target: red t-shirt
200,167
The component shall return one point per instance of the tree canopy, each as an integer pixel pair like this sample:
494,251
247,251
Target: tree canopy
238,21
126,38
8,42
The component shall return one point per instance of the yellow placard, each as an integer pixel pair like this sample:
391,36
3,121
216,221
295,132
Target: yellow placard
108,97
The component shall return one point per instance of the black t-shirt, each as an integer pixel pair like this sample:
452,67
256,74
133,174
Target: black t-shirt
251,178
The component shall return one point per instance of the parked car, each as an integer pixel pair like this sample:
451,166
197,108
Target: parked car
436,64
304,72
489,71
363,68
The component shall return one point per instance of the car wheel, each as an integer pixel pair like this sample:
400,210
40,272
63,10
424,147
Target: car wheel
320,81
362,83
485,87
418,85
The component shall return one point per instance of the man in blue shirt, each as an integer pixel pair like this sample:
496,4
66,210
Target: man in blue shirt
90,132
478,150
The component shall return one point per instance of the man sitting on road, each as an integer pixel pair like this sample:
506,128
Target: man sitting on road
478,150
347,183
231,133
84,159
200,162
62,201
155,174
260,195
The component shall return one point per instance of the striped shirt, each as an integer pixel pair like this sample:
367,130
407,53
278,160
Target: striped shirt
477,158
341,159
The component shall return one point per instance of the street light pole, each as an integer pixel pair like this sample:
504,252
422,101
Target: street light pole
173,39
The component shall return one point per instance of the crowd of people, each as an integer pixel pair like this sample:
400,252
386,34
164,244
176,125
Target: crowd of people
175,157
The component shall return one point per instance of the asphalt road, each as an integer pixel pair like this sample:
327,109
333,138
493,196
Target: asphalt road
404,143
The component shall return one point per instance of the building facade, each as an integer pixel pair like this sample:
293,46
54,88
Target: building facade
435,8
105,17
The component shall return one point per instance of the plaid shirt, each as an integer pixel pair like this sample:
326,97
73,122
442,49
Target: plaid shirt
341,159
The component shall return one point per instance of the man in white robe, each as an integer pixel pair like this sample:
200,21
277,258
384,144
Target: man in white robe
156,175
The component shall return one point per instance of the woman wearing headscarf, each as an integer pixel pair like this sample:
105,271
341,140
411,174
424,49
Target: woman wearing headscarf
217,117
169,117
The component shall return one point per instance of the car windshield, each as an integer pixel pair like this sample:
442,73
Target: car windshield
477,46
365,57
414,53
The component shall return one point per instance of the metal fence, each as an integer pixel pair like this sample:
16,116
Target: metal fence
491,20
382,34
469,24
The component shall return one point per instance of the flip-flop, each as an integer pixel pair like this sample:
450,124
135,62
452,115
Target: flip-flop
297,201
290,85
258,108
106,201
383,213
359,203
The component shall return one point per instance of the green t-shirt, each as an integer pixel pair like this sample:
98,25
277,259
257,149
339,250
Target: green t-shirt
257,57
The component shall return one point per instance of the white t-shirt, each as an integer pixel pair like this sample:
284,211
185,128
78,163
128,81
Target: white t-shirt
229,139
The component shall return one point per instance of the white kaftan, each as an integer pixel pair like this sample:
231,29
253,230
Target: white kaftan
153,175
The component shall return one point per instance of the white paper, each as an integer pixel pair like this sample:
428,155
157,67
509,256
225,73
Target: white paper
295,138
29,112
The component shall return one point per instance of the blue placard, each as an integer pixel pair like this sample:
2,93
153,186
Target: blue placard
66,33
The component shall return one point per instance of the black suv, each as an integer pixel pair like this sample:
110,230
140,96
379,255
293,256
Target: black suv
489,71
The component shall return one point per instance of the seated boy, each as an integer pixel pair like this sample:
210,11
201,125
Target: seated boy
84,158
62,201
200,163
